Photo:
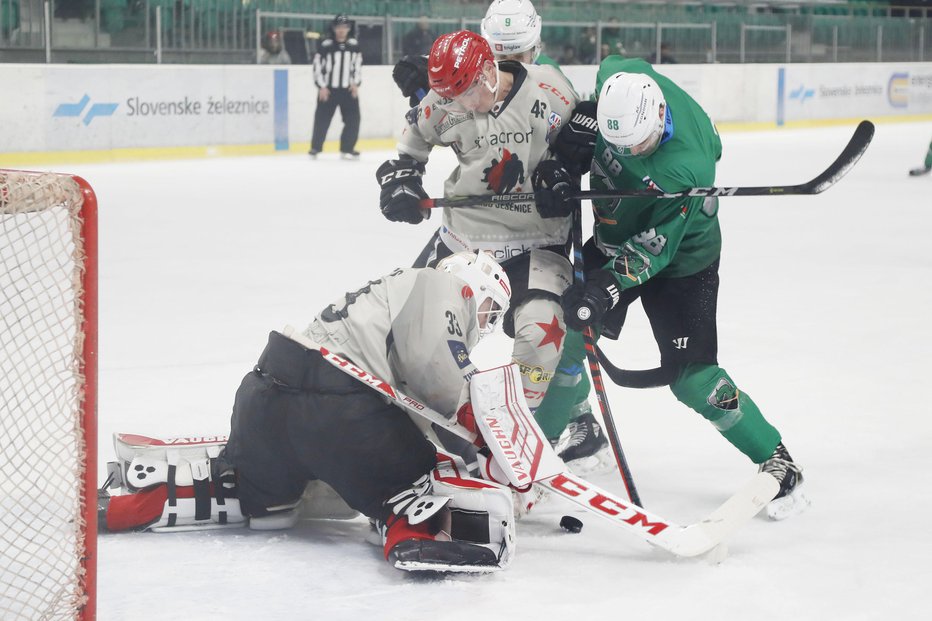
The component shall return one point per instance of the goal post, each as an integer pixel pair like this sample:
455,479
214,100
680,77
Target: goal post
48,397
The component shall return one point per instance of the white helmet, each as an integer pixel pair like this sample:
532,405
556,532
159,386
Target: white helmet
512,27
629,113
485,281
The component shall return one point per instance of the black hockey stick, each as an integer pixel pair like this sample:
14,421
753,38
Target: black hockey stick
642,378
843,163
579,276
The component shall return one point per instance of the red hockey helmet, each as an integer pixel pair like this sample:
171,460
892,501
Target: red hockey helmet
456,60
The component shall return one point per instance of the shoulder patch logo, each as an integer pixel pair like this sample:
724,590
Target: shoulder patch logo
460,355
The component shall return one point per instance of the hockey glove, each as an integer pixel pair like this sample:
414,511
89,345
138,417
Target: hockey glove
575,144
410,74
401,190
553,187
585,304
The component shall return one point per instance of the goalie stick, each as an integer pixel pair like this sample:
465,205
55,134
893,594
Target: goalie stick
526,453
848,157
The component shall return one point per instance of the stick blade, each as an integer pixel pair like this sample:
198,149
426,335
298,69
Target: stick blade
719,525
845,161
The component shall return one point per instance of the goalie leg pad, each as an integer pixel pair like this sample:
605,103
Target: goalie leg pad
171,484
160,510
472,531
145,461
481,512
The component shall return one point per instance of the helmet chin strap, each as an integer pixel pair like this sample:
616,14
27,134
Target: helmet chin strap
498,80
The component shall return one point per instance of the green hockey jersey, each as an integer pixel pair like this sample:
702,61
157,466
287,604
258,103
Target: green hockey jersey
662,237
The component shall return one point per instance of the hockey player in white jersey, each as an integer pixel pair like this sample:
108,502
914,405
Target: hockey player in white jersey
296,418
498,119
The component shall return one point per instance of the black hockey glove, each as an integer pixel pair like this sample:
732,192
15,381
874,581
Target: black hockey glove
575,144
585,304
402,191
410,74
552,188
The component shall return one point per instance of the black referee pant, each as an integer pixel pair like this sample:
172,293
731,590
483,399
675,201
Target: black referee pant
349,110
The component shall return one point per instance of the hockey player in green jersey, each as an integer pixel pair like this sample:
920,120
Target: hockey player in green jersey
926,166
665,252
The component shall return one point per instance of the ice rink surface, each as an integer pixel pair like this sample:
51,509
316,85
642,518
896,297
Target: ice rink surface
824,318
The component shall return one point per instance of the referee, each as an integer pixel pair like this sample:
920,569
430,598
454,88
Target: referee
337,73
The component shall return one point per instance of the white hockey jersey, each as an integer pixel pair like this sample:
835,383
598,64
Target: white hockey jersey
497,152
412,328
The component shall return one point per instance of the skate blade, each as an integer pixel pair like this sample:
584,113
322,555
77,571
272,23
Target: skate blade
792,504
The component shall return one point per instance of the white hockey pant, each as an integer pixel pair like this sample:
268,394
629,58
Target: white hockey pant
539,336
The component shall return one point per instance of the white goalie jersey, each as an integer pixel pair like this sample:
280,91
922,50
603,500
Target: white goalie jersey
497,154
412,328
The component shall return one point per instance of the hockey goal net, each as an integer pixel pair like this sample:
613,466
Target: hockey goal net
48,378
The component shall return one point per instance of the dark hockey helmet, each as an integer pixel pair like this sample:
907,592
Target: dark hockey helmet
341,19
455,62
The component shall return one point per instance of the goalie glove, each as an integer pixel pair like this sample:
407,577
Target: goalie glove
575,144
585,304
410,75
402,191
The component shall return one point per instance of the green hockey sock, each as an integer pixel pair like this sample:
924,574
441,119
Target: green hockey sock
710,391
929,157
568,393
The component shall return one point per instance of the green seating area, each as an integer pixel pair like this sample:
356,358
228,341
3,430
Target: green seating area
696,31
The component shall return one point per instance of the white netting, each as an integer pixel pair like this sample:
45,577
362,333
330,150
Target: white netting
42,461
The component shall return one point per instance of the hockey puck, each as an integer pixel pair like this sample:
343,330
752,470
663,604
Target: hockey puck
570,524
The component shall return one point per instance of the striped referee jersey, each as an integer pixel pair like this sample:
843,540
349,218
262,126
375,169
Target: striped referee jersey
338,65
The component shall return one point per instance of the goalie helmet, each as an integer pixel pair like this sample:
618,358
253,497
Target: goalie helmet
629,114
455,62
485,281
512,27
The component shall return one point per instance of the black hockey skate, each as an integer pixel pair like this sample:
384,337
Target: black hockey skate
790,499
349,155
915,172
583,446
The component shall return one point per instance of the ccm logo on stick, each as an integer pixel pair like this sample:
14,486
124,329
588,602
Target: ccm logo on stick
610,507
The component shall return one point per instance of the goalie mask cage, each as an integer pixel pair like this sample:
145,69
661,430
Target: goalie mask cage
48,385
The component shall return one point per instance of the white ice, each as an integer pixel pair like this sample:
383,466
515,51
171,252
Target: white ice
824,318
